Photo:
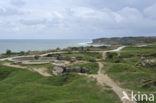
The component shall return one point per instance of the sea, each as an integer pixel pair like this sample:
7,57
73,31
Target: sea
33,45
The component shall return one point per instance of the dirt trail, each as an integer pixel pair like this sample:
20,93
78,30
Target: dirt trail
106,80
41,71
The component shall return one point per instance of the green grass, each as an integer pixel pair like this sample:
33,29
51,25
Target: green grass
22,86
48,65
138,51
93,67
128,75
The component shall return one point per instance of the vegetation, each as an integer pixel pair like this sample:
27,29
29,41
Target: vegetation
130,75
50,65
22,86
132,51
125,40
133,68
69,50
90,48
8,52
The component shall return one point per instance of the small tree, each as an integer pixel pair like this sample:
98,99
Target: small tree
8,52
111,55
22,53
58,49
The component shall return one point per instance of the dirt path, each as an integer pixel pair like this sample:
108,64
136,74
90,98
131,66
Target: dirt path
103,80
41,71
106,80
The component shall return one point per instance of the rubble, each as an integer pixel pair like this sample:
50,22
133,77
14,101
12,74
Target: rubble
58,70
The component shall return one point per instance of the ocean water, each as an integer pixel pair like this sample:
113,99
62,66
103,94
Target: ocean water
26,45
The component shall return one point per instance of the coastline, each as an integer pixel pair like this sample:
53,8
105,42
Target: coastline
39,45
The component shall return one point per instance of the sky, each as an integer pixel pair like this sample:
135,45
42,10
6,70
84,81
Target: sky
76,19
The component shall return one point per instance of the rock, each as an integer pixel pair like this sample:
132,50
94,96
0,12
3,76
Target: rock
36,57
79,58
77,69
17,62
59,58
58,70
63,58
84,70
72,60
145,62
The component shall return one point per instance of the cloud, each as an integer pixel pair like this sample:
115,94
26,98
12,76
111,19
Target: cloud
33,22
9,12
78,18
17,3
150,12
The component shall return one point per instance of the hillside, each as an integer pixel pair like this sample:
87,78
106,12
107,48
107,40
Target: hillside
126,68
125,40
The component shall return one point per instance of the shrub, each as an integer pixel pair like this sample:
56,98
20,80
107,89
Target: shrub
8,52
111,55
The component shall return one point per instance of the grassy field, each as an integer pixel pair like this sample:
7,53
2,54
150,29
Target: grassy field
22,86
123,68
138,51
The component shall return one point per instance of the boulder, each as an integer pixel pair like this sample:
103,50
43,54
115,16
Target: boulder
58,70
59,58
77,69
36,57
84,70
79,58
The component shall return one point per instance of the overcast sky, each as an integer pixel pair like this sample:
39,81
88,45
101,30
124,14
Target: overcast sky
76,19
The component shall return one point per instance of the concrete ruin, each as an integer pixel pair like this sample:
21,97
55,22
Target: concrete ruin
58,70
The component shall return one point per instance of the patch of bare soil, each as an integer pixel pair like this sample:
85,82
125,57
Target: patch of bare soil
41,71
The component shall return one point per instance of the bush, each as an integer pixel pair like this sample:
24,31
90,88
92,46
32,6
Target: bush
111,55
8,52
22,53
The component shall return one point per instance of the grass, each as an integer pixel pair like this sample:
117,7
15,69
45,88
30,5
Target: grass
48,65
93,67
91,48
138,51
22,86
127,74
